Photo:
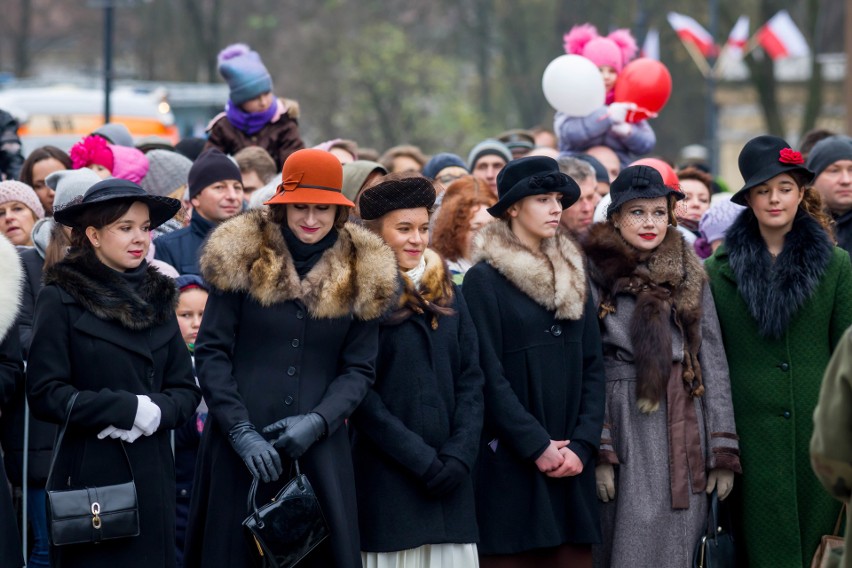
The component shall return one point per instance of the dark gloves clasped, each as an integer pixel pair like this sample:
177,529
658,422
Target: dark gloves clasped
297,433
260,456
444,475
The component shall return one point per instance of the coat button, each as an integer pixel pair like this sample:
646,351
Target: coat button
289,400
291,371
183,493
295,343
786,414
784,367
556,330
300,315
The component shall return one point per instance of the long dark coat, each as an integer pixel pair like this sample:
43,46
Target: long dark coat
97,335
426,404
270,346
540,352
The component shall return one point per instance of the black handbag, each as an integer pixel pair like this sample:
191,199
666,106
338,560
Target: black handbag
715,548
286,529
90,514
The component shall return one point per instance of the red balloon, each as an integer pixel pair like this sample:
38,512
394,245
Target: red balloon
669,175
645,82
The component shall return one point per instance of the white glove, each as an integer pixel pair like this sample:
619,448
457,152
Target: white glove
605,478
618,111
108,431
131,435
147,415
722,480
622,130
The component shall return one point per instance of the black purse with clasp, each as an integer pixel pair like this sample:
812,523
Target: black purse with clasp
715,548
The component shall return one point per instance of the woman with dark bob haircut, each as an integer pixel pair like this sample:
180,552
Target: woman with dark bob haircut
107,356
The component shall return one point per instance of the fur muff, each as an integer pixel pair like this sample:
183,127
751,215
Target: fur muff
668,284
357,275
555,278
11,284
103,292
434,296
775,291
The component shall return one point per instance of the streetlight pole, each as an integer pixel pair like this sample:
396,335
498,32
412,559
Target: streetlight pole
711,111
109,19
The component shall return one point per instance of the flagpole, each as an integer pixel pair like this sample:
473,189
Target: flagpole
698,58
711,108
720,62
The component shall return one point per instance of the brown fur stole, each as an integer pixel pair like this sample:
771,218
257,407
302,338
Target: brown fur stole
434,296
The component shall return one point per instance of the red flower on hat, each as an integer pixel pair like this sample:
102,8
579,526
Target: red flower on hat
789,156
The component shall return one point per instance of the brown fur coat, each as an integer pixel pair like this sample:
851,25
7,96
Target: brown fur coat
668,284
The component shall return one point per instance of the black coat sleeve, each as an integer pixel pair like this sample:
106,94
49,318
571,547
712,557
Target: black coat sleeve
11,367
503,411
49,381
179,395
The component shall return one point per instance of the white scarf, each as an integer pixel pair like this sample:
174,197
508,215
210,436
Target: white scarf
416,273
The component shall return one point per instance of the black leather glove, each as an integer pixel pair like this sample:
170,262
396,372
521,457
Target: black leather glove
260,456
448,478
297,433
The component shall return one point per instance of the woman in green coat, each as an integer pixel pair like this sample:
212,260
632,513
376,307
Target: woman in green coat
783,293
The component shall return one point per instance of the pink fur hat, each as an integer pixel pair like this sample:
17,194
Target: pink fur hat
614,50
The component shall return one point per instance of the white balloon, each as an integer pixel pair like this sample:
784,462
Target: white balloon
574,85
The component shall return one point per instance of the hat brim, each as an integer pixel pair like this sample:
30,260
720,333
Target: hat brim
767,174
650,192
570,195
160,209
307,195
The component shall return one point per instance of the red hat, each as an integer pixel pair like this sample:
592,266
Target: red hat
311,176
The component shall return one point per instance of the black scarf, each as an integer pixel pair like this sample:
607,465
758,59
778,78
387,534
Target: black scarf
305,255
135,276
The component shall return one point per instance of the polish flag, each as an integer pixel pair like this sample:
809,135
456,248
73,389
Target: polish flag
738,38
780,38
651,45
690,31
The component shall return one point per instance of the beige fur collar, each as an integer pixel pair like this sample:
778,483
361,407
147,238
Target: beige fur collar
555,278
358,275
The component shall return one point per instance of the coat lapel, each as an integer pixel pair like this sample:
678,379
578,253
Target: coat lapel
113,333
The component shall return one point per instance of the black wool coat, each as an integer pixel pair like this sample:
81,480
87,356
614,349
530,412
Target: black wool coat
426,404
540,351
96,334
273,345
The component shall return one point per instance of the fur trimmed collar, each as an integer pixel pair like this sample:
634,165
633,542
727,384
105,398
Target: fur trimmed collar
357,275
554,278
774,291
11,284
668,284
433,297
103,292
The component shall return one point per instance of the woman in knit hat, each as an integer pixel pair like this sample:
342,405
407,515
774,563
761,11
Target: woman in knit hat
668,434
39,164
288,341
607,125
253,116
714,224
103,303
539,348
783,292
20,208
416,434
106,159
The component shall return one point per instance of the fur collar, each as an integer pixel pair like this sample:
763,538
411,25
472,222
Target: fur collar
668,284
554,278
103,292
434,296
774,291
11,283
357,275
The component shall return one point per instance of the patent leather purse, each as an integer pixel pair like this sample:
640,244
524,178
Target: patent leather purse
90,514
282,532
715,548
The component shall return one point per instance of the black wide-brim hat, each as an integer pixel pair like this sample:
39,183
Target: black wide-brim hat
161,209
763,158
638,182
533,175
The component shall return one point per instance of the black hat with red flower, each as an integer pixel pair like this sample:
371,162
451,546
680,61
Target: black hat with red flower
763,158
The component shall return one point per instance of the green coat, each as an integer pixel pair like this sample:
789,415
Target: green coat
775,385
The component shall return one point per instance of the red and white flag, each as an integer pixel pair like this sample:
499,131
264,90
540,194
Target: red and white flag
691,32
651,45
738,38
780,38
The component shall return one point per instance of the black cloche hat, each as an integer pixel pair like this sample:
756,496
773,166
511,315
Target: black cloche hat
161,208
638,182
533,175
763,158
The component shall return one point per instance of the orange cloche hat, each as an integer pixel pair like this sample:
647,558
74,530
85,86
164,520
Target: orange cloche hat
311,176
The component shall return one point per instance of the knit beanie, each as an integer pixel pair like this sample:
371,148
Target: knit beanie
356,173
718,219
11,190
68,184
190,281
129,163
91,150
485,148
244,72
614,50
600,170
828,151
211,166
167,171
440,161
190,147
115,133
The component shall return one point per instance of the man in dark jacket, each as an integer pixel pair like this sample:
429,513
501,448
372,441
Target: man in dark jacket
11,158
216,193
831,161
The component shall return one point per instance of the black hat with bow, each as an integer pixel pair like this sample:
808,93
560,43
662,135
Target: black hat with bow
638,182
534,175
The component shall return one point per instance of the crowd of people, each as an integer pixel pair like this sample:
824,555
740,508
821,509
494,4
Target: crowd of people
549,353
